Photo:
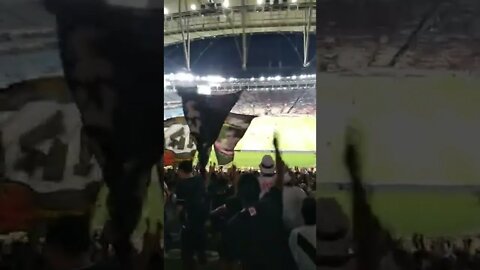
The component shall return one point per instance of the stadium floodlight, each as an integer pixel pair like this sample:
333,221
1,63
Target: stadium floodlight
294,1
214,79
231,79
204,89
277,78
262,79
193,7
165,11
184,77
259,2
226,3
294,77
252,79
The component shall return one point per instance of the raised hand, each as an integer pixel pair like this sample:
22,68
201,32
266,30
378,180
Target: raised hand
281,167
351,157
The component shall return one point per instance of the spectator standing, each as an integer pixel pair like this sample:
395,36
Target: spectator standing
303,239
293,197
267,174
192,205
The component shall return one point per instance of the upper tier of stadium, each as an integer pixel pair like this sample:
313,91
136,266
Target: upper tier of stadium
262,96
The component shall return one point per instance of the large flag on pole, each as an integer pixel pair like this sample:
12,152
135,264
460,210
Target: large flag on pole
205,115
178,140
112,58
232,132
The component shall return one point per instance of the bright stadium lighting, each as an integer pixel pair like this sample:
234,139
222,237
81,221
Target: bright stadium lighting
262,79
204,90
184,77
214,79
294,77
226,4
294,1
231,79
193,7
259,2
252,79
277,78
165,11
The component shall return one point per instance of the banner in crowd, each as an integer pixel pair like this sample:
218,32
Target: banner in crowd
233,129
205,115
44,159
178,141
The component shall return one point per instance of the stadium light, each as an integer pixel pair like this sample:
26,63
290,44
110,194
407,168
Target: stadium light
277,78
294,1
204,90
259,2
214,79
184,77
294,77
226,4
165,11
193,7
262,79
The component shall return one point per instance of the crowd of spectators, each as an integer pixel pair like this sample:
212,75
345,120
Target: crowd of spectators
278,102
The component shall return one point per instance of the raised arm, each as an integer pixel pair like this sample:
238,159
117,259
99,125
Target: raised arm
280,165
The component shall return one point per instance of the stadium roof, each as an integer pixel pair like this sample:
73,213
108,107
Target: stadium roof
233,17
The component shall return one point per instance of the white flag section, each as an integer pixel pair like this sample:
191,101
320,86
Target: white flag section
178,138
15,124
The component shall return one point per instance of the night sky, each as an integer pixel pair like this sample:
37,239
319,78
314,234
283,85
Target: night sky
268,55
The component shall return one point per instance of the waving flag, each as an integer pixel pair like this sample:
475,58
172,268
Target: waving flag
205,115
233,129
178,139
112,59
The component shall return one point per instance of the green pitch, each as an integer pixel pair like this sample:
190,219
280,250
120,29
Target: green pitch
297,138
253,159
431,213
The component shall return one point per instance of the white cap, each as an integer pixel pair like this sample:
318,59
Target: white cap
267,166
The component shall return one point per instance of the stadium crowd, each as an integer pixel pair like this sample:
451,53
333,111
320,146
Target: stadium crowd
68,244
250,217
278,102
265,218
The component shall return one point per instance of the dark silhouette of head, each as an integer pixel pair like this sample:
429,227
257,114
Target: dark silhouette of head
248,189
185,169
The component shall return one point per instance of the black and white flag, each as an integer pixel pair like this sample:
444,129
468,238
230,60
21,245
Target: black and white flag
178,139
112,58
205,115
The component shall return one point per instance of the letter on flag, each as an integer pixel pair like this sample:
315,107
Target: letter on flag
178,139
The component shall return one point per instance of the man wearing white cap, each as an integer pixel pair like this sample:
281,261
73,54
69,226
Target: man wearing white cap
267,174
